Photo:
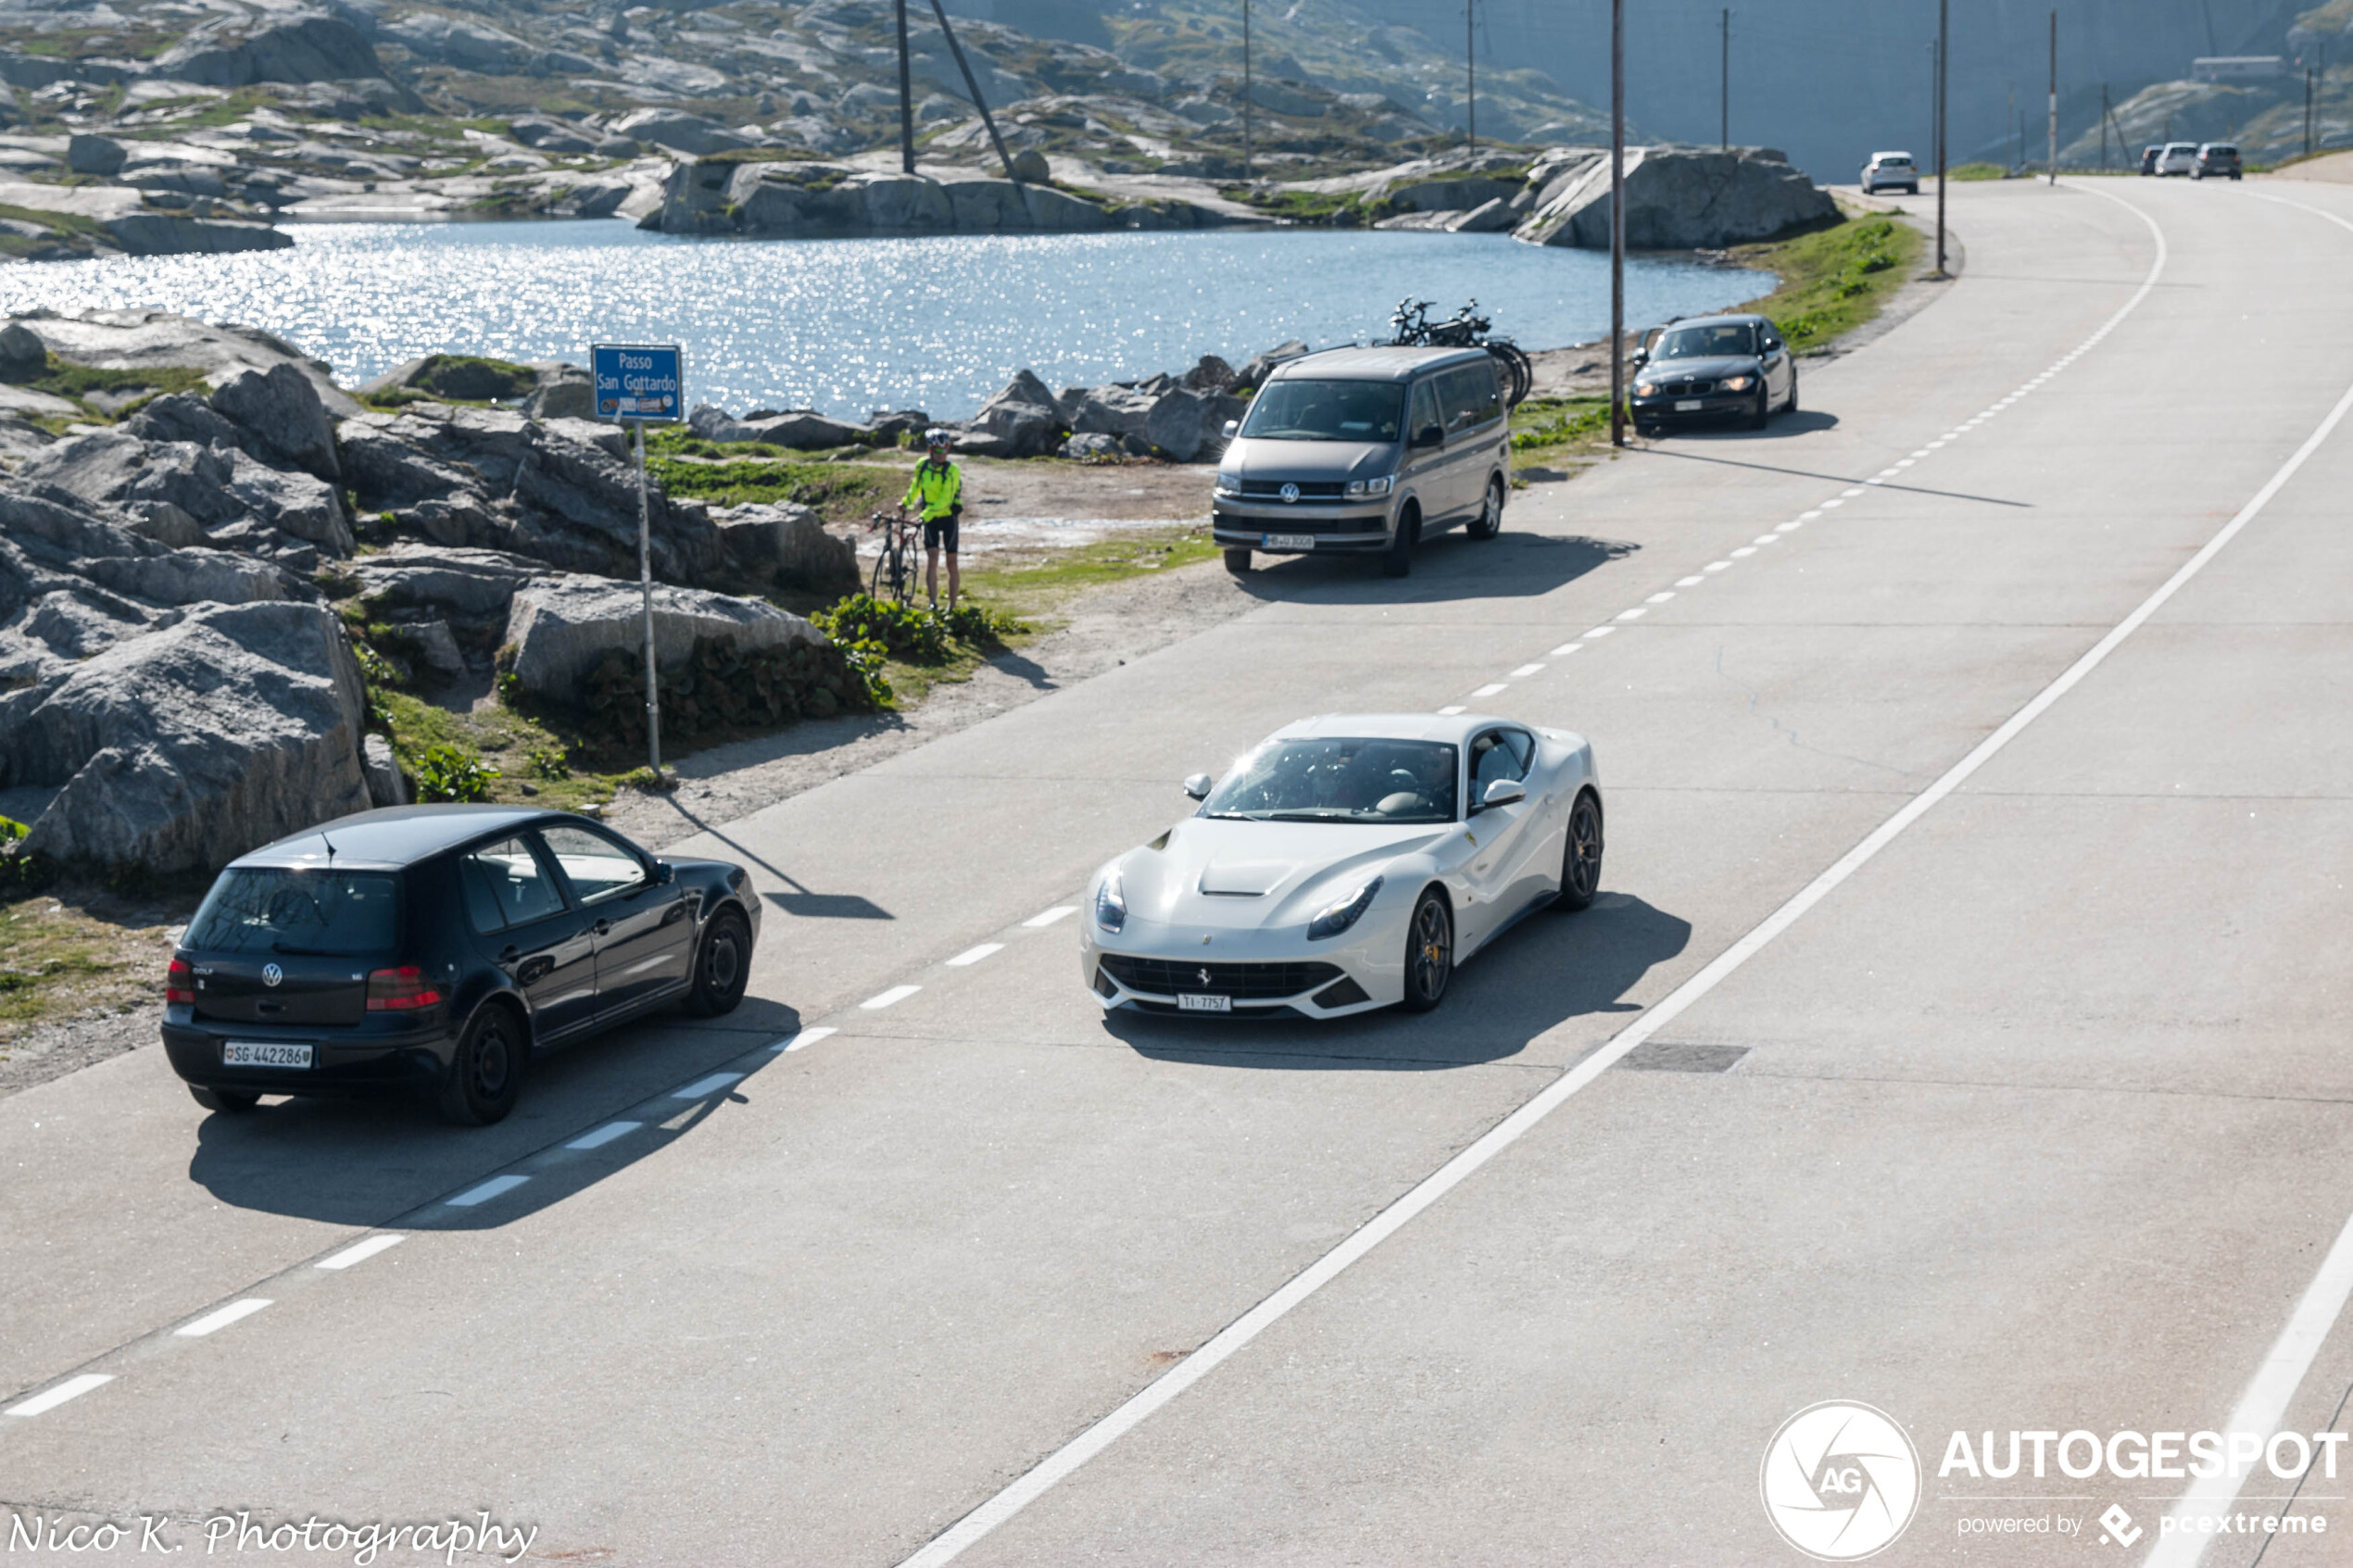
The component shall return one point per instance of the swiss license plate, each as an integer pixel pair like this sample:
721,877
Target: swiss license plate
264,1053
1689,404
1193,1001
1284,541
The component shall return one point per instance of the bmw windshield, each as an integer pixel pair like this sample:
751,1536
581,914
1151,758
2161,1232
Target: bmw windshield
1340,780
1327,410
1726,340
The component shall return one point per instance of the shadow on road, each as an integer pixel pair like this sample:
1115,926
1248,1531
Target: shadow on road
1550,968
1452,565
367,1161
1805,422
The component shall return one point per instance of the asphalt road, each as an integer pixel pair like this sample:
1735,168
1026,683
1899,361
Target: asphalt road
2027,1111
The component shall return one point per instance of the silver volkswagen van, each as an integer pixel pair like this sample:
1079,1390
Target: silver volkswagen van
1365,451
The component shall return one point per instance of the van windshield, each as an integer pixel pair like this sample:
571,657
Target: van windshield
1327,410
273,910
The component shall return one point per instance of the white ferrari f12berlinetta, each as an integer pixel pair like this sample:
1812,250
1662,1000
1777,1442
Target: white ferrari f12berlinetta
1348,862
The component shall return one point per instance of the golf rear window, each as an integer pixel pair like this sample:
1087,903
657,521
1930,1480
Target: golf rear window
279,910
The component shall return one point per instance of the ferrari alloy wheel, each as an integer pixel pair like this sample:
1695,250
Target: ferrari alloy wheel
1429,952
1581,860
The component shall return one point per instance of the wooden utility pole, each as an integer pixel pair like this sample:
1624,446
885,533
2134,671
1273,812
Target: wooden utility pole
2053,154
1943,50
1723,89
1245,89
906,100
2104,165
1617,222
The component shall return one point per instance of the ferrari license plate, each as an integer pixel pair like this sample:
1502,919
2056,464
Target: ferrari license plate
264,1053
1284,541
1689,404
1193,1001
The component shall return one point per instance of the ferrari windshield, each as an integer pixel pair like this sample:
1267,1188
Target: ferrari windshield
1327,410
1340,780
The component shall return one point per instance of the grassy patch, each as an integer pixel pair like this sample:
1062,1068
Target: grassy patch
1975,171
58,959
76,382
1035,585
839,492
1834,279
534,758
1330,209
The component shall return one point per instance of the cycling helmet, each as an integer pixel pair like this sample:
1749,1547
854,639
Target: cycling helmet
935,437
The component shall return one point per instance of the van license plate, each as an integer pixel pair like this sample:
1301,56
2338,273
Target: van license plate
1193,1001
264,1053
1286,541
1689,404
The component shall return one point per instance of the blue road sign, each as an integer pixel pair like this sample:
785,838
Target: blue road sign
638,380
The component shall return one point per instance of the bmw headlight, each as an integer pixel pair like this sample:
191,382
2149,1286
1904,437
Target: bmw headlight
1111,904
1738,383
1646,389
1337,918
1369,486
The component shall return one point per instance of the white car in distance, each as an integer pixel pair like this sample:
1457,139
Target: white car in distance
1347,862
1891,171
2177,157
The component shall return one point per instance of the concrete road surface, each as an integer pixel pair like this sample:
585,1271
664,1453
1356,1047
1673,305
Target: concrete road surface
2013,672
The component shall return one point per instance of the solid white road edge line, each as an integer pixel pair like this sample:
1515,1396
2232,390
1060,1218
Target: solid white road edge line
958,1537
72,1388
2261,1407
211,1322
360,1252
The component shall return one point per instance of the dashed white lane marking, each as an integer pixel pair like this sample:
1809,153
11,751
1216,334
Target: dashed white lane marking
1525,670
1808,516
1718,566
1490,689
806,1039
604,1135
1766,539
1791,526
1858,489
1634,614
703,1088
485,1192
1450,712
1599,632
1743,552
1833,501
1564,650
974,954
359,1251
1661,597
896,994
214,1322
1692,582
953,1541
72,1388
1048,917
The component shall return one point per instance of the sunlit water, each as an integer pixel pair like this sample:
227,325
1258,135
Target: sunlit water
847,326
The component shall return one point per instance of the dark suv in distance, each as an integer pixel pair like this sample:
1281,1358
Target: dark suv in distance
435,949
2216,160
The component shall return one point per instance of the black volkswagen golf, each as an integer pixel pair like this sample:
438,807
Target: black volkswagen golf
435,949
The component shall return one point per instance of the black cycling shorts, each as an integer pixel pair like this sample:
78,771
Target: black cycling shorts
940,532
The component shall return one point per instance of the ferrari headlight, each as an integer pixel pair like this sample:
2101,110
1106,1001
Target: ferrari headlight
1337,918
1369,486
1738,383
1111,904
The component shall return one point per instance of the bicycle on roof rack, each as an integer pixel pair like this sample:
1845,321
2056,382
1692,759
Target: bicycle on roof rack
1410,327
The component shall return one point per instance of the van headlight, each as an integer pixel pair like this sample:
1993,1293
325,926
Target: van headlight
1229,484
1370,486
1337,918
1111,904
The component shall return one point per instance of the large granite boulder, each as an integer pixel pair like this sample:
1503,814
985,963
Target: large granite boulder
1024,419
282,417
455,42
1163,416
679,131
179,750
465,583
1677,198
786,545
787,196
801,428
140,339
561,628
314,48
216,485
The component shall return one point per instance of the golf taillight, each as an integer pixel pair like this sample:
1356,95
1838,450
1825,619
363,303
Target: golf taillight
179,984
404,989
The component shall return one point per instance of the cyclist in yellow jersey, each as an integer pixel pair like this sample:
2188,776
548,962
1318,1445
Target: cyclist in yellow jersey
938,490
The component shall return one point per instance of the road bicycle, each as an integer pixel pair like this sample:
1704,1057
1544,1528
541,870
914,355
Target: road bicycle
894,566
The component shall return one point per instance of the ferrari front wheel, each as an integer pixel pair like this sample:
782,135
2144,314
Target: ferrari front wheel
1429,952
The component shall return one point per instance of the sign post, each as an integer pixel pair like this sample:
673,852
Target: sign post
638,385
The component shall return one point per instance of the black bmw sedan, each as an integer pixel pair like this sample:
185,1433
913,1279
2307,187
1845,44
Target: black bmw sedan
1714,368
436,948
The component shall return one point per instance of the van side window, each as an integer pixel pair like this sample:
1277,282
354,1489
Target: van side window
1424,410
1470,398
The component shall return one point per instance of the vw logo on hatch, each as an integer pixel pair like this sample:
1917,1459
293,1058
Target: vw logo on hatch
271,975
1289,491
